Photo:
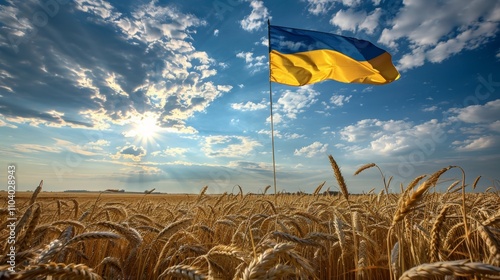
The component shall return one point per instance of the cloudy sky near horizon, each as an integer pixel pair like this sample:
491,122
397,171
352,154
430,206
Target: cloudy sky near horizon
174,95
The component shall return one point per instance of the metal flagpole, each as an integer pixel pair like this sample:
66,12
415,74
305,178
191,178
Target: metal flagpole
271,105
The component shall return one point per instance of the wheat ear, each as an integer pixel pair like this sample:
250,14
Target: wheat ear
202,192
68,271
259,266
318,188
405,205
435,240
132,235
26,239
364,167
50,250
339,177
491,243
113,263
294,239
183,271
92,235
457,268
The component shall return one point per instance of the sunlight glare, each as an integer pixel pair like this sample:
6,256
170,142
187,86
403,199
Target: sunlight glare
146,129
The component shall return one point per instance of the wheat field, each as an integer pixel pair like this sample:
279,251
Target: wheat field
418,233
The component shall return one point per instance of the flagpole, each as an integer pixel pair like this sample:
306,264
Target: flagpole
271,105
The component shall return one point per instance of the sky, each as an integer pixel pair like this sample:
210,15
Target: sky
175,95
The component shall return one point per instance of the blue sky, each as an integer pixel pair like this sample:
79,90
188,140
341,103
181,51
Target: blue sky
174,95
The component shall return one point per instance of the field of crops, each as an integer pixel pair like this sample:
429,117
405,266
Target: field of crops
416,233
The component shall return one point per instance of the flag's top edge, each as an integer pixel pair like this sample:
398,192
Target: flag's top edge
290,40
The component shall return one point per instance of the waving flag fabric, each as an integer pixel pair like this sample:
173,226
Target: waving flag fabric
300,57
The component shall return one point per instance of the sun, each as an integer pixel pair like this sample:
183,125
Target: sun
146,129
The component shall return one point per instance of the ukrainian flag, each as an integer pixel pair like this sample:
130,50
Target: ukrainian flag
299,57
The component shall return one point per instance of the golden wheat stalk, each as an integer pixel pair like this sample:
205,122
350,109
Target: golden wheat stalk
435,239
202,192
294,239
26,241
339,177
184,272
491,243
132,235
67,271
259,266
46,255
364,167
457,268
113,263
318,188
92,235
406,204
171,228
492,219
228,252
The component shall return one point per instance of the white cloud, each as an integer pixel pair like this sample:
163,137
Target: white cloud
367,129
50,118
476,144
112,83
432,108
469,39
437,30
130,152
352,20
216,32
293,136
36,148
257,17
250,106
368,89
370,23
74,148
350,3
228,146
97,145
255,63
390,137
292,103
100,8
264,41
340,100
255,166
277,118
348,19
14,21
3,123
487,113
175,152
495,126
319,7
315,149
277,133
411,60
